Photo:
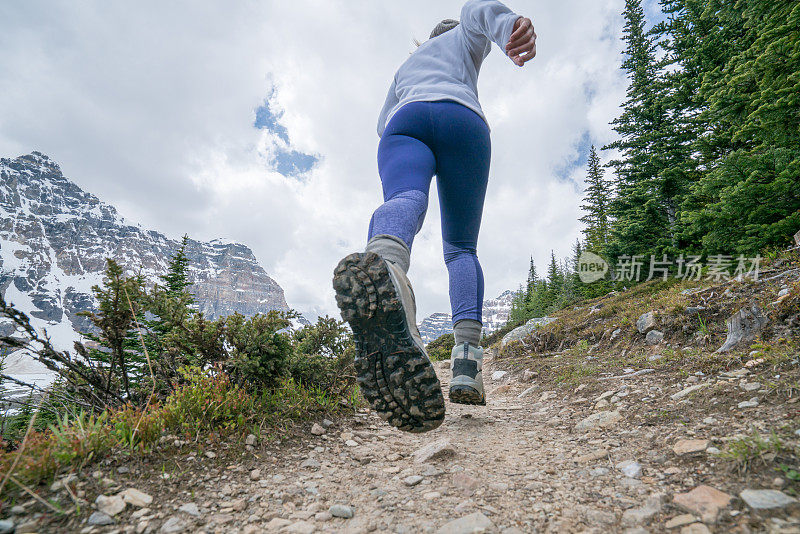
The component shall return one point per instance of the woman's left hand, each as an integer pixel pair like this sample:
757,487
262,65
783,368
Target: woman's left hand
521,46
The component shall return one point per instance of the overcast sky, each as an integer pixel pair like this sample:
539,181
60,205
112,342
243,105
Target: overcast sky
255,121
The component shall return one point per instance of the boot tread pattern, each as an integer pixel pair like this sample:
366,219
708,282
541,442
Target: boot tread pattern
395,376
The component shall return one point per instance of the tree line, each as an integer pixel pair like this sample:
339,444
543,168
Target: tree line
707,156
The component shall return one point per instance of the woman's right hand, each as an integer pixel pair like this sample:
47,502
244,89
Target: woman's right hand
521,46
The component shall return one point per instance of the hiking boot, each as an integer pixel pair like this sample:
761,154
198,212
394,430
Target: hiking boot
394,371
466,387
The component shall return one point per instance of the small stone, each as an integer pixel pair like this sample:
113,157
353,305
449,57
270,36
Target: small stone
465,483
136,498
173,525
630,468
680,521
308,463
695,528
752,403
592,456
99,519
472,523
317,429
498,375
685,392
276,523
712,450
615,334
431,495
654,337
190,508
412,480
704,501
778,482
435,450
760,500
210,454
527,392
110,505
599,420
351,443
250,440
17,510
751,386
341,510
300,527
639,516
709,421
655,357
690,446
327,423
323,516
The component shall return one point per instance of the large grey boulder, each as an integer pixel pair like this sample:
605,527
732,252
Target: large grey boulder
743,326
525,330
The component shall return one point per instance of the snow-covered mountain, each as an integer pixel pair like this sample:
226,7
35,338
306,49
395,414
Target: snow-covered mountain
495,315
55,237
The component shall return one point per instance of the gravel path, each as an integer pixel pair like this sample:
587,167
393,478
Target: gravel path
591,458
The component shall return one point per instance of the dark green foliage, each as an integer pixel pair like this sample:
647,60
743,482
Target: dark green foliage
709,135
596,200
441,348
324,355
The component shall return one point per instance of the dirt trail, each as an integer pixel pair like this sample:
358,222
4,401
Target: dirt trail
537,463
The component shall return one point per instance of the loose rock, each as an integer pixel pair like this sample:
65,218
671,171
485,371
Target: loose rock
341,510
99,519
654,337
317,429
412,480
646,322
473,523
599,420
434,451
685,392
137,498
173,525
110,505
690,446
190,508
743,326
704,501
761,500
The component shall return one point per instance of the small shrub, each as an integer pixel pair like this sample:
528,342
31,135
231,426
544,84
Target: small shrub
441,348
208,401
324,357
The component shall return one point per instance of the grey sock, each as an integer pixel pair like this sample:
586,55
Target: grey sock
391,248
467,331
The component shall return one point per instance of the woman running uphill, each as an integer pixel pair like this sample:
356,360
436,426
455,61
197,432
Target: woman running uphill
431,124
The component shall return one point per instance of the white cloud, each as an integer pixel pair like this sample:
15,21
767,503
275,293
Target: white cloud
150,105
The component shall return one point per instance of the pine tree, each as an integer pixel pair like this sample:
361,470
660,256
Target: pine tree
114,321
595,205
749,198
641,208
176,281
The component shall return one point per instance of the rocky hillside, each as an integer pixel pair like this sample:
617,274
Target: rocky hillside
55,237
495,315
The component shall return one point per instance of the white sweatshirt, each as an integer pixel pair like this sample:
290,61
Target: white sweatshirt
447,66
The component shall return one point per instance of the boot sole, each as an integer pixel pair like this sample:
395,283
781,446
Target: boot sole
395,376
466,395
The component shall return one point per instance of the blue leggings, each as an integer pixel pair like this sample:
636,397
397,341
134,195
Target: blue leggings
451,141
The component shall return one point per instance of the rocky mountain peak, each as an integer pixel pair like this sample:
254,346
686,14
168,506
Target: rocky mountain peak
55,238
